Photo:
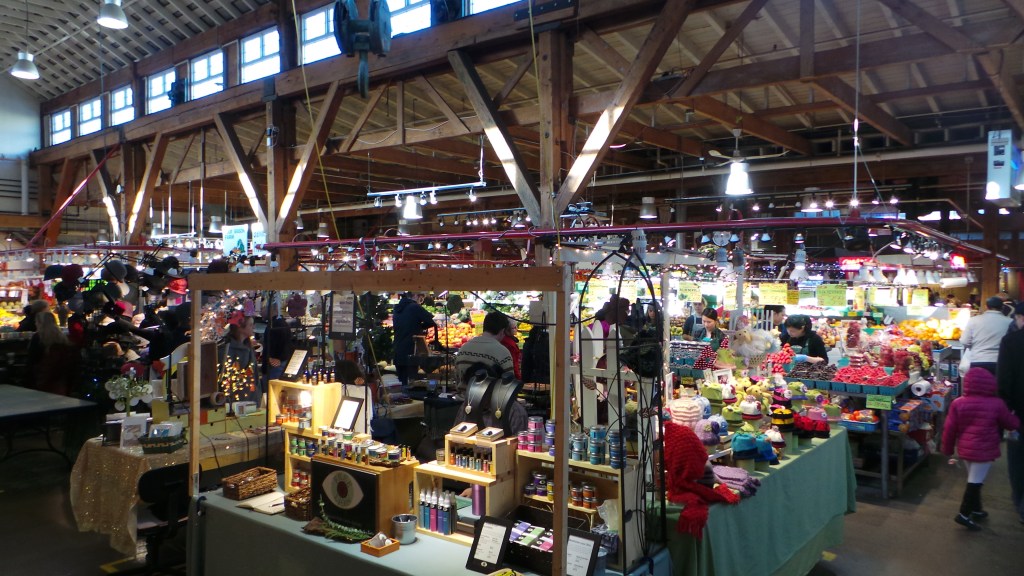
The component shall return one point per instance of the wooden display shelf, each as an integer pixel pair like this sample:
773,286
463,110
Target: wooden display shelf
545,457
299,457
502,454
571,506
463,539
435,469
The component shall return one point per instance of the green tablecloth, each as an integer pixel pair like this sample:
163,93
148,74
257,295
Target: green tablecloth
795,515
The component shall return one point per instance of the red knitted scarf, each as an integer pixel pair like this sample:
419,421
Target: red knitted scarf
685,456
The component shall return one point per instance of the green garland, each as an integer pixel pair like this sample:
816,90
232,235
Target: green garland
336,531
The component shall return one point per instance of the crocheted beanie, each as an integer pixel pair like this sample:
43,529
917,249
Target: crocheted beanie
685,457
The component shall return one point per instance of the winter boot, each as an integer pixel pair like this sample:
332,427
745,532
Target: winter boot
969,503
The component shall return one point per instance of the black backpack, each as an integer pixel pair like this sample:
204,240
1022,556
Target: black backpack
536,362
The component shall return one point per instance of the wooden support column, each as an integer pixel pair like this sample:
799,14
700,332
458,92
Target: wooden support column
145,187
497,132
555,132
239,159
661,36
64,187
44,188
989,264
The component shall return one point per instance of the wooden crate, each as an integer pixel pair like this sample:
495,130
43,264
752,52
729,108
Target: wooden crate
325,400
394,487
503,454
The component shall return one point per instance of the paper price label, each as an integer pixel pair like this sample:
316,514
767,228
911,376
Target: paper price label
730,295
919,297
773,293
832,295
689,292
879,402
792,297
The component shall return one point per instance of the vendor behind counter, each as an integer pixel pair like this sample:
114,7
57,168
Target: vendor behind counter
803,340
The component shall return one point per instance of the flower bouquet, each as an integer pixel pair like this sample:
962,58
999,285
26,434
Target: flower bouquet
126,390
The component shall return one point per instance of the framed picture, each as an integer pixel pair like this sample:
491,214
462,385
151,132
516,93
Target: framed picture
348,412
722,376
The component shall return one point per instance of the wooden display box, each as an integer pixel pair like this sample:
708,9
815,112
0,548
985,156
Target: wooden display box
503,454
606,481
325,399
387,492
366,548
500,496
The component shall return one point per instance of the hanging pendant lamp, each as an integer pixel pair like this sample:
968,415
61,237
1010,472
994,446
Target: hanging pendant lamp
112,15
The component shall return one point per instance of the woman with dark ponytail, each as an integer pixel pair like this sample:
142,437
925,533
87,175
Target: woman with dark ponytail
805,342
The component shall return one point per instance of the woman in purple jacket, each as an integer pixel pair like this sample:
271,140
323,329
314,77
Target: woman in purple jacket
973,429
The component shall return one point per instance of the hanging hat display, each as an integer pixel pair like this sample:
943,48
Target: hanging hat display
53,271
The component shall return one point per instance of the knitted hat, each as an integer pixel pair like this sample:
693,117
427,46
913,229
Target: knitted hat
685,458
743,446
797,391
775,437
833,412
712,391
705,406
782,397
728,393
707,432
685,411
782,418
816,397
732,414
803,426
765,452
718,419
751,408
819,422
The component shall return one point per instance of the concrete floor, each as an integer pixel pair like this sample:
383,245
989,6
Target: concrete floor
906,536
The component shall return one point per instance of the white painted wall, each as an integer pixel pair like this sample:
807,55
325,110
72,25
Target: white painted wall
19,118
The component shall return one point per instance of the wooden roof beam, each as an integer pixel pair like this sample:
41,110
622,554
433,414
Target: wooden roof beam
697,74
661,36
238,157
992,61
311,153
846,97
751,124
497,133
145,191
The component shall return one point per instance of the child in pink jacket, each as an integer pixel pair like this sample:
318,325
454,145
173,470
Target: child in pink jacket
973,428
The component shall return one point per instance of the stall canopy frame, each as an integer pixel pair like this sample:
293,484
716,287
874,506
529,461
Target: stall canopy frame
555,282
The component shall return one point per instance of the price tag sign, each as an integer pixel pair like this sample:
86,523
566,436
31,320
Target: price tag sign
730,295
773,293
832,295
858,298
919,297
880,296
879,402
792,297
689,292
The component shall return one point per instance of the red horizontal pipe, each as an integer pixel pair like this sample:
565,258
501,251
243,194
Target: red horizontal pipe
746,224
71,197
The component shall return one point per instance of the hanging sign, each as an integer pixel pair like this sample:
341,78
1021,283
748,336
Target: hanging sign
236,239
880,296
343,315
259,238
919,297
689,292
773,293
832,295
729,300
858,298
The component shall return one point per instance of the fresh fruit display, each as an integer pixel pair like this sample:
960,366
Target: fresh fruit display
853,335
676,324
828,334
779,359
873,375
935,330
811,371
453,335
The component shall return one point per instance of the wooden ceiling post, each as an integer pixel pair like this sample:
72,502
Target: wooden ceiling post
496,131
238,157
556,144
64,186
146,185
662,34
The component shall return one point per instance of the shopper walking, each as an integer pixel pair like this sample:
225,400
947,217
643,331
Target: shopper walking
972,430
1010,377
983,333
52,360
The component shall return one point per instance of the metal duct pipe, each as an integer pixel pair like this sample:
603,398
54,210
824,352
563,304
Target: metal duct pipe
671,228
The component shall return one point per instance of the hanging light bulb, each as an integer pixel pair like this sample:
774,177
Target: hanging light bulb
734,238
864,275
766,237
799,239
738,183
440,223
894,200
112,15
298,224
718,208
912,279
647,209
813,205
321,231
472,196
377,203
756,207
25,68
423,199
704,238
829,203
412,210
398,201
433,197
901,278
854,202
214,225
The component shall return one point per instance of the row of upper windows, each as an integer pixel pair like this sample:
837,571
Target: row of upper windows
260,56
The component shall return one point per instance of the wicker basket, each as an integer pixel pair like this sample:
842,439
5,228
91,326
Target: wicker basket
252,482
162,444
299,505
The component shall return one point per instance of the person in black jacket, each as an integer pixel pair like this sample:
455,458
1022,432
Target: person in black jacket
803,340
410,320
1010,379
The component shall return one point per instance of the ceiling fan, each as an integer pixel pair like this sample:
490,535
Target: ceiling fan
738,183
